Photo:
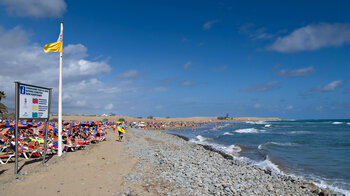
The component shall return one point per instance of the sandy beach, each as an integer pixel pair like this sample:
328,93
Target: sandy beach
147,162
97,170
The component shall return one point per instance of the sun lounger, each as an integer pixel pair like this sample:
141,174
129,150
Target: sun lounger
7,157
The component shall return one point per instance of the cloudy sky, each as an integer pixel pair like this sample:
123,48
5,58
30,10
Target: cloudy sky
183,58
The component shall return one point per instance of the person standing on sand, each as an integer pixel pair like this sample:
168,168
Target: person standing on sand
114,128
121,131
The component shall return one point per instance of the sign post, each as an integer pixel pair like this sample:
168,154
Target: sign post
32,103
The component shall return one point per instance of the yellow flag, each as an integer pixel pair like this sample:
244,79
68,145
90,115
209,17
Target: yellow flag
53,47
56,46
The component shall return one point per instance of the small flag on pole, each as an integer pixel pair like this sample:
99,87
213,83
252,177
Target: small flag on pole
56,46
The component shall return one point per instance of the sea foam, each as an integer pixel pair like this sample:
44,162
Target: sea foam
248,130
337,123
260,122
268,165
264,146
228,133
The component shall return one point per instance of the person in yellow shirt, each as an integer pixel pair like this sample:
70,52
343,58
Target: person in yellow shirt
121,131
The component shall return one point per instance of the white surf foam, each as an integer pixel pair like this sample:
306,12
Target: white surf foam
298,132
201,138
282,144
268,125
260,122
337,123
228,133
325,185
267,165
264,146
348,123
233,149
248,130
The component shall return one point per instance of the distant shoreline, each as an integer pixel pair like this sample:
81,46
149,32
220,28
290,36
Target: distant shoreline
188,119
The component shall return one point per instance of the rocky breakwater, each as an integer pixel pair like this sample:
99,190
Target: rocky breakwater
190,169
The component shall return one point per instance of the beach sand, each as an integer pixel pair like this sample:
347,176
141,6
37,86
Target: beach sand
97,170
148,162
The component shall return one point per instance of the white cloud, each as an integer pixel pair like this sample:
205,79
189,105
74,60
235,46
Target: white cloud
328,87
83,91
187,65
209,24
306,71
262,87
129,74
313,37
35,8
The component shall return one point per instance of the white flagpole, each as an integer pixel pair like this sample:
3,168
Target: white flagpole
59,153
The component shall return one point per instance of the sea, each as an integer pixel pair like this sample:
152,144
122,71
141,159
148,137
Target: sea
317,151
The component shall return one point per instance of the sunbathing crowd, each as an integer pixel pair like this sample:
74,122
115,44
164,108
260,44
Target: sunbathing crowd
75,135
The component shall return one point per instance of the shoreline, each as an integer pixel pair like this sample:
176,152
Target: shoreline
197,167
267,171
150,162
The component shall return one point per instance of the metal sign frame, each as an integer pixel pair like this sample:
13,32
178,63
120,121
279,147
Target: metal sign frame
17,84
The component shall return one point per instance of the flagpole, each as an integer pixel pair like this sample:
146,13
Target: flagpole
59,153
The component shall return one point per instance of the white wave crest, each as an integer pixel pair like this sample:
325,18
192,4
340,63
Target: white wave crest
325,185
264,146
228,133
248,130
260,122
268,165
268,125
337,123
201,138
233,149
298,132
282,144
348,123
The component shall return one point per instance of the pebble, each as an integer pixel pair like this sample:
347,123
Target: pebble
196,171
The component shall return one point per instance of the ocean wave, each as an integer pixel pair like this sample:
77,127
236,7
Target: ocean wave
298,132
202,139
263,146
248,130
267,164
228,133
268,125
325,185
259,122
348,123
337,123
232,149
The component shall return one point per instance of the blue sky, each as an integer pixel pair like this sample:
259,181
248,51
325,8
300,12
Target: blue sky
183,58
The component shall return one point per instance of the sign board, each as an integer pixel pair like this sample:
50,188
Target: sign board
33,102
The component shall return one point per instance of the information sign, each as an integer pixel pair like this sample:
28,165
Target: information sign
33,102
